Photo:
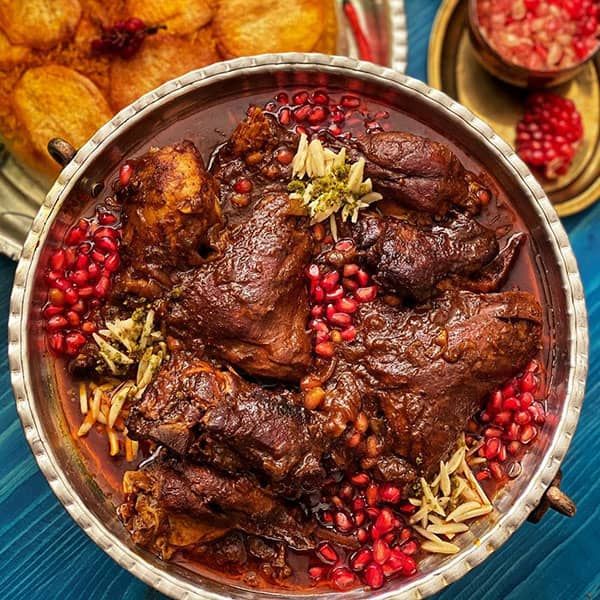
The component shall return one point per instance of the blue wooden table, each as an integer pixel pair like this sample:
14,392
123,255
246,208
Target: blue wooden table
43,554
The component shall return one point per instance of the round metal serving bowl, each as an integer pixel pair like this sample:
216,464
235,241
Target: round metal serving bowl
33,376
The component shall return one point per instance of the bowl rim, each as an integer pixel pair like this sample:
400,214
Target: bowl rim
178,586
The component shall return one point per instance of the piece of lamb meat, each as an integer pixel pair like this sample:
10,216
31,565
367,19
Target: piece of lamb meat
202,412
249,304
169,208
409,256
430,367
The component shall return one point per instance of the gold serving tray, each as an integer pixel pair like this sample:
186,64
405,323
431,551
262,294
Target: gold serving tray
454,69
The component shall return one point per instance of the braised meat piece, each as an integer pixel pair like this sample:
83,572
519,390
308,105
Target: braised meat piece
197,410
430,367
167,490
249,304
416,172
410,255
169,208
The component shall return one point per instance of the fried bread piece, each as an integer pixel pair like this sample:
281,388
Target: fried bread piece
244,27
11,54
39,101
39,23
162,57
179,16
327,43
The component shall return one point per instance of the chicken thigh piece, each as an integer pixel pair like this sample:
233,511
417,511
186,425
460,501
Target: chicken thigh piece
169,209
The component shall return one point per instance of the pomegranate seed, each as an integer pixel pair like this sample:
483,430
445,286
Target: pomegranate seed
56,297
86,292
501,456
325,349
79,277
372,512
509,390
511,404
330,281
285,116
514,448
326,553
360,559
358,504
335,295
407,508
360,517
343,522
341,320
101,288
366,294
343,578
537,412
503,418
317,310
349,284
528,433
125,173
317,115
51,311
317,572
73,318
346,305
327,516
82,262
389,493
528,383
301,114
496,402
88,327
493,432
73,342
360,479
373,576
112,263
320,97
350,101
483,475
284,157
79,307
107,218
496,470
362,277
106,243
349,334
282,98
523,417
243,186
71,296
362,535
513,431
57,260
74,237
381,551
492,446
410,566
98,257
406,534
410,548
372,494
383,524
57,343
300,98
318,294
56,323
350,270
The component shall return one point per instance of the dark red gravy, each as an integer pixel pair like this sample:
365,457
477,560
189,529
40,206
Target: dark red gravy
208,128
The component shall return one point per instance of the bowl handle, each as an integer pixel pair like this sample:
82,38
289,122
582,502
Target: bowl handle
553,498
61,151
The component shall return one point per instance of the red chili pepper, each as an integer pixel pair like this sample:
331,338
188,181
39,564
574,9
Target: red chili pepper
364,48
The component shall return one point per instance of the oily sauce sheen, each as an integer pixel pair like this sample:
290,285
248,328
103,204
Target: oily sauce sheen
500,215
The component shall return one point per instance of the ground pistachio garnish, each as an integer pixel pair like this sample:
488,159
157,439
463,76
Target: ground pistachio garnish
125,344
325,183
447,503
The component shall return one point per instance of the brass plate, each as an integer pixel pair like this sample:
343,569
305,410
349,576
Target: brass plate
453,68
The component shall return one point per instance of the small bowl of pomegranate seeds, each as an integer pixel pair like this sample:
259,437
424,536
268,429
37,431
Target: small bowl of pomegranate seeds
534,43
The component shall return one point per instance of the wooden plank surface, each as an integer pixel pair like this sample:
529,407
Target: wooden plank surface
43,554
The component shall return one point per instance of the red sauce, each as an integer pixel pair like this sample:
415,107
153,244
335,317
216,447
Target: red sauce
499,215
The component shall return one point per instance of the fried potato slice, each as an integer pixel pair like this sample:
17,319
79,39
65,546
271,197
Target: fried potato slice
162,57
180,16
244,27
55,101
11,55
39,23
327,43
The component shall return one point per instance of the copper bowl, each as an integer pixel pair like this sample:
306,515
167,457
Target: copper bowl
32,367
511,72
